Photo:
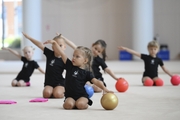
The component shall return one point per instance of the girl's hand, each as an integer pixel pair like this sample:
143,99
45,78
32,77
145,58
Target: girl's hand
49,42
121,48
25,35
107,91
4,48
58,33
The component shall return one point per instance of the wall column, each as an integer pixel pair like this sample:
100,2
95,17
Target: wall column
142,25
32,24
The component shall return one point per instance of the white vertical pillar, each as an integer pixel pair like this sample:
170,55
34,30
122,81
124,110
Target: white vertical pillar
142,24
32,24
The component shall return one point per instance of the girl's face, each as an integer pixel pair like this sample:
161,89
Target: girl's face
78,59
61,43
28,53
97,50
153,51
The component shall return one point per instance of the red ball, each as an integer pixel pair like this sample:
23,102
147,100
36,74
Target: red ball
159,82
148,82
121,85
175,80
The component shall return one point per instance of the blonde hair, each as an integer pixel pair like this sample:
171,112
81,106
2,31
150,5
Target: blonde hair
153,44
87,54
28,47
58,37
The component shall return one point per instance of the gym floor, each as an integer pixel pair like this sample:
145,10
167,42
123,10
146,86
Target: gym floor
137,103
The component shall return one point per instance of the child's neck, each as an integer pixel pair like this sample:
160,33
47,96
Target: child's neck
82,66
153,56
29,59
56,55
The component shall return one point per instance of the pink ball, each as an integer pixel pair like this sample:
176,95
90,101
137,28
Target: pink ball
148,82
175,80
159,82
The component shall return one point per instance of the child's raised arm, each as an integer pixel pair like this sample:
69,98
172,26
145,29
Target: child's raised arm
12,51
57,49
130,51
69,43
36,42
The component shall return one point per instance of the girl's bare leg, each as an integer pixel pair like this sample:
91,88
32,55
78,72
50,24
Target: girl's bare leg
96,89
14,83
82,103
69,103
156,78
47,92
58,92
21,83
145,78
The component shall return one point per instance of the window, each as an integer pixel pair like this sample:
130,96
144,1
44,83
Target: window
11,23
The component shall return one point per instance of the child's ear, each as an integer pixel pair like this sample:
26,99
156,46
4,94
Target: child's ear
86,60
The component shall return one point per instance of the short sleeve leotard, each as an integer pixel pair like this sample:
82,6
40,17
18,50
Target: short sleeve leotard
97,63
151,65
27,69
54,69
76,78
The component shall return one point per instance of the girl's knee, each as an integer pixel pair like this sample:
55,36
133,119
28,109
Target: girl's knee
21,83
81,105
14,83
145,78
68,105
47,93
156,78
59,94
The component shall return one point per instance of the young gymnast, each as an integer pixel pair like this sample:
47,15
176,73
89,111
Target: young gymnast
78,72
54,80
151,61
23,78
99,52
99,55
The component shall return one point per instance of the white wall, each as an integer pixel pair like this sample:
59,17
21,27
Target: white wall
85,21
167,24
